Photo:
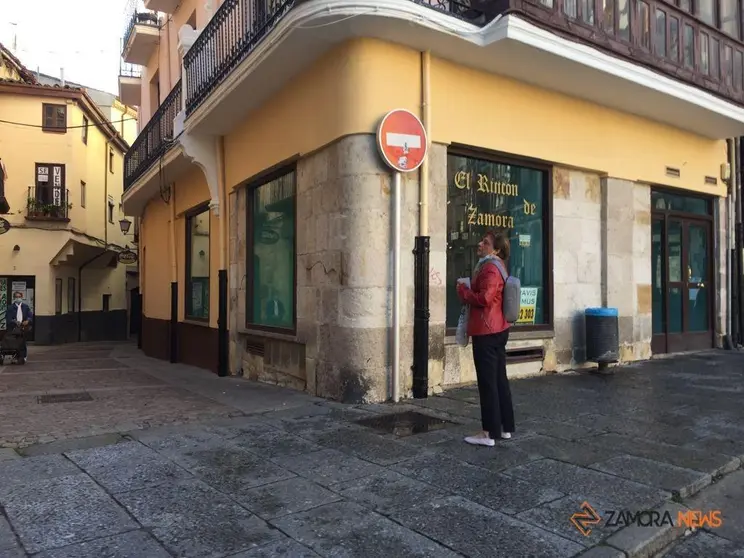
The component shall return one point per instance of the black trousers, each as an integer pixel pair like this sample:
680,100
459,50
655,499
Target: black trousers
497,411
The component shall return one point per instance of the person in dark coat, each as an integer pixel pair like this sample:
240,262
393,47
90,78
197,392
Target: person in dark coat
19,315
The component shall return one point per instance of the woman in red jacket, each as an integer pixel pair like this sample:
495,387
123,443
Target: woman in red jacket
490,332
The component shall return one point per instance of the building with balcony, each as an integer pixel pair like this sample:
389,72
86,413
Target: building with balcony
62,186
601,135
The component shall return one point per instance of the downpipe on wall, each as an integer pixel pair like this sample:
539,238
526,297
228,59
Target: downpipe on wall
729,240
80,290
222,341
420,368
105,239
739,256
173,333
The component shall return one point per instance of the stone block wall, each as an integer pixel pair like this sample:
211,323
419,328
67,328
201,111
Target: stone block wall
266,358
577,260
626,266
344,275
342,346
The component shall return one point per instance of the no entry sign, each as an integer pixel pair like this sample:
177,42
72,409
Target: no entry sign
401,139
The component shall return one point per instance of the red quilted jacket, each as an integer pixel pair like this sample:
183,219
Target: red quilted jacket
484,298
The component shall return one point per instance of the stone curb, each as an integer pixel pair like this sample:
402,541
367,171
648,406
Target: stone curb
6,454
644,542
634,541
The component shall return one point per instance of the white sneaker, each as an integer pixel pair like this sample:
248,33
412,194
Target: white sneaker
480,441
506,435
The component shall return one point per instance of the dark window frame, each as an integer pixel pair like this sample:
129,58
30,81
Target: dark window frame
71,294
106,302
58,296
85,130
189,215
111,212
48,186
50,119
82,193
547,168
271,174
111,161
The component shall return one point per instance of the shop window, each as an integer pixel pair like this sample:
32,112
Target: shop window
271,253
197,264
493,195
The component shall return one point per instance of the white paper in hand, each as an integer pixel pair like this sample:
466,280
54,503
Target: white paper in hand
465,281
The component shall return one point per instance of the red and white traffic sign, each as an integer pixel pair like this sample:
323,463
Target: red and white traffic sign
401,139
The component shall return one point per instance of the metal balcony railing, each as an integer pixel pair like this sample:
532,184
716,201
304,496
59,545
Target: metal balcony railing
42,205
653,33
239,25
232,33
155,139
136,14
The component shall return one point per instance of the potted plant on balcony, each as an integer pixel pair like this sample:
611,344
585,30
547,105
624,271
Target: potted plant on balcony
32,207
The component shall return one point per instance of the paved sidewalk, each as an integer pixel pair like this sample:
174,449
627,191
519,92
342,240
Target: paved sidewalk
259,471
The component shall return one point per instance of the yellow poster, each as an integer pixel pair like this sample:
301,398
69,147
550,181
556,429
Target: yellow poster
527,306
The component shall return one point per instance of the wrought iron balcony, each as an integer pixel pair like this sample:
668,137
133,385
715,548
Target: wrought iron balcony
43,205
155,139
240,25
653,33
142,33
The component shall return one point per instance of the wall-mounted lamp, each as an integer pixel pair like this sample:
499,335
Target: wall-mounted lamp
125,224
16,248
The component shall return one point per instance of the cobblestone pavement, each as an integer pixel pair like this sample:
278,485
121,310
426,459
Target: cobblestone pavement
255,471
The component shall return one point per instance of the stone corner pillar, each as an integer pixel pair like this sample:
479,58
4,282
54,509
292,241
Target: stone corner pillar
626,263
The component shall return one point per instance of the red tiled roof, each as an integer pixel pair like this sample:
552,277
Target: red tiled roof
26,74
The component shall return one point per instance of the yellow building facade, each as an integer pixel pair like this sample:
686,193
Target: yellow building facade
266,240
63,185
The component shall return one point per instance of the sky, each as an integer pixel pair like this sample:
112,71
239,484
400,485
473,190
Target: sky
81,36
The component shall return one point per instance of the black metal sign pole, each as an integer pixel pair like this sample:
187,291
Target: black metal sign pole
421,318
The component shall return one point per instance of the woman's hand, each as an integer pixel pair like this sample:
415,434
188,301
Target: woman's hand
462,291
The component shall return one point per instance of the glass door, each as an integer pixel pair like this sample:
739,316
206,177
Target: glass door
681,283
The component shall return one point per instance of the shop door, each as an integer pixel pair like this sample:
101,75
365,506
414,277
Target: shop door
682,283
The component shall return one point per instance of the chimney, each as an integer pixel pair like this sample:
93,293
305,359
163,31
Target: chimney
62,76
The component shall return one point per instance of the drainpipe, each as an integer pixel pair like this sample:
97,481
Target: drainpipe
738,233
140,299
80,290
420,366
168,62
222,343
730,295
105,239
174,281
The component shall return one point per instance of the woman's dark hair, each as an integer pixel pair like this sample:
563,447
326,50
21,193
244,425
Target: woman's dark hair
500,244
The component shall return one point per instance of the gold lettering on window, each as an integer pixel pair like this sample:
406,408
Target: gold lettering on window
493,220
487,185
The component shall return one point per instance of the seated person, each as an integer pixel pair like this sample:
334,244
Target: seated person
18,315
